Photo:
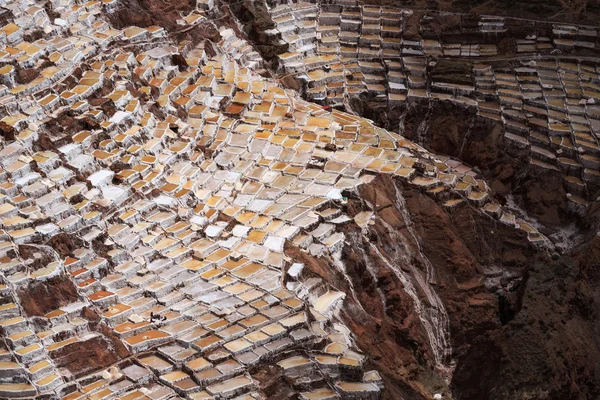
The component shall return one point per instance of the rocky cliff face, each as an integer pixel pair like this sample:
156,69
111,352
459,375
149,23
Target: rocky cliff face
429,285
548,349
446,128
459,132
255,21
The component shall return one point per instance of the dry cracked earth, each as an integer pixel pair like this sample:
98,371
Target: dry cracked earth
237,199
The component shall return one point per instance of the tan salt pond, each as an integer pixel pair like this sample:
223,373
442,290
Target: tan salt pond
9,365
229,385
237,346
254,321
357,386
323,303
320,394
453,202
362,218
28,349
47,380
248,270
16,387
198,364
174,376
39,366
208,341
146,336
155,362
336,348
273,329
294,362
58,345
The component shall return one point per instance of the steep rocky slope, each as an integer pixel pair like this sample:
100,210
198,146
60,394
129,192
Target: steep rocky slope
447,128
576,11
255,21
550,349
522,323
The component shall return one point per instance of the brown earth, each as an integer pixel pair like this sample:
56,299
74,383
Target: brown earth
58,131
452,244
393,338
390,332
145,13
39,298
64,244
7,132
26,75
452,70
523,324
6,16
84,357
36,256
273,384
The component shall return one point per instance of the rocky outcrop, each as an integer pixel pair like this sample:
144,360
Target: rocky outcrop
462,249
